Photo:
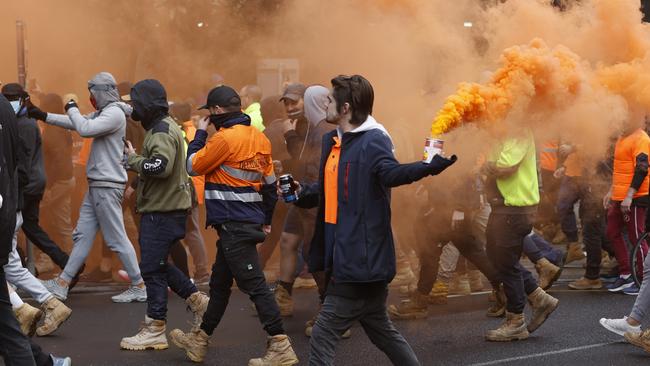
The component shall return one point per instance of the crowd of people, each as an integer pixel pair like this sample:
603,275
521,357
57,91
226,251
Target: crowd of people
156,172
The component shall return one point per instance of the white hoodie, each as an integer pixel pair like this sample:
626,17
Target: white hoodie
369,124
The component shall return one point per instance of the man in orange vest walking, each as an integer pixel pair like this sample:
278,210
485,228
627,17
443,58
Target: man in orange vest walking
627,201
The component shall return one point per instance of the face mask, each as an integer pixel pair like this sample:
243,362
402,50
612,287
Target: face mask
295,114
135,115
219,119
16,105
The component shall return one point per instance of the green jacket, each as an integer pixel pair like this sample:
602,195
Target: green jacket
163,184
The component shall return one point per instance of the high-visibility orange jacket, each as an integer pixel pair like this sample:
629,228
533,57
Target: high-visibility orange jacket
199,180
631,165
548,155
238,169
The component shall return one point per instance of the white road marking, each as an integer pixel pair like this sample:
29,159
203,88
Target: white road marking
542,354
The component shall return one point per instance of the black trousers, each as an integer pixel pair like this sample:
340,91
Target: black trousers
237,260
36,234
594,225
505,240
468,246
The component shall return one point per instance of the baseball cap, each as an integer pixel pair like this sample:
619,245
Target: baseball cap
222,96
13,90
293,91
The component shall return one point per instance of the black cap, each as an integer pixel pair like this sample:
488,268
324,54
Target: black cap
13,90
222,96
293,91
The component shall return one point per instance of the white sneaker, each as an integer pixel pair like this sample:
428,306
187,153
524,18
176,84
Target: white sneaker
133,293
619,326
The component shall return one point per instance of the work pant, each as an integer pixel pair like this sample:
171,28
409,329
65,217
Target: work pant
18,275
634,223
505,239
237,260
337,315
592,216
570,193
102,209
158,233
36,234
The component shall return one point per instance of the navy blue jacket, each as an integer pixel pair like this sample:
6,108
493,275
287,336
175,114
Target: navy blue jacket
363,250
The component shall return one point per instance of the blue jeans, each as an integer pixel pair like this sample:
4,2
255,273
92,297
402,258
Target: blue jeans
337,315
536,248
158,232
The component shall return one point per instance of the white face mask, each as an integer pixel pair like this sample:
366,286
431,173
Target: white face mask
16,105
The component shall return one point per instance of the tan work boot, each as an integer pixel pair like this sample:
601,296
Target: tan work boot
498,309
512,329
543,305
150,336
574,252
28,317
476,281
194,343
55,314
586,284
415,307
641,339
460,285
284,301
548,273
198,304
278,353
439,293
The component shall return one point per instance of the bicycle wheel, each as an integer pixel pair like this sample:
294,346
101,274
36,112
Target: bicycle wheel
634,262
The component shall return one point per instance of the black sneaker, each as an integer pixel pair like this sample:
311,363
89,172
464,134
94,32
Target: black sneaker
620,284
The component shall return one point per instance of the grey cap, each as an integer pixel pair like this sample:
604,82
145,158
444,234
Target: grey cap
293,91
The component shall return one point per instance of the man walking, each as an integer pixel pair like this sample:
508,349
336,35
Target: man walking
32,193
164,199
353,241
513,194
240,196
102,205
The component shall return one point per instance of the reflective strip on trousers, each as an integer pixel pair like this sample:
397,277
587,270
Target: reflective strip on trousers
233,196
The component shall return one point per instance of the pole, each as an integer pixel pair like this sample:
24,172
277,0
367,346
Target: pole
20,46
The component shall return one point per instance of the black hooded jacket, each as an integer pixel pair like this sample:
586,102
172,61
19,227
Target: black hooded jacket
149,101
9,177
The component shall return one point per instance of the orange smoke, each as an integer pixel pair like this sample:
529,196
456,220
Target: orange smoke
534,72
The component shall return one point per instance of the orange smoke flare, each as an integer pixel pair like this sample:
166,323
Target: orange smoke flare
534,72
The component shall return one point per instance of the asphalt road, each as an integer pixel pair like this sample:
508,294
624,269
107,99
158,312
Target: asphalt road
452,335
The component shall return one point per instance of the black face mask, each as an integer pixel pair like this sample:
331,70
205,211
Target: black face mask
219,119
135,115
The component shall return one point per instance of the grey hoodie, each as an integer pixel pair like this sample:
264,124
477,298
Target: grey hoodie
107,127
